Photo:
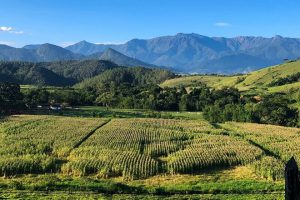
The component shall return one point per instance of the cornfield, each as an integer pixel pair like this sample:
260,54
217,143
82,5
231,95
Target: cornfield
139,148
144,147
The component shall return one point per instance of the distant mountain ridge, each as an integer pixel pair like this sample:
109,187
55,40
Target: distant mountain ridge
188,53
37,53
202,54
118,58
49,53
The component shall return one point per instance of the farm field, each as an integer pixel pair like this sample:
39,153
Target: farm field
151,156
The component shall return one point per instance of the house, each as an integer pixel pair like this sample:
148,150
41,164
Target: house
55,107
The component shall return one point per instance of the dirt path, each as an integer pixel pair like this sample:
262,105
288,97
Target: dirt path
90,134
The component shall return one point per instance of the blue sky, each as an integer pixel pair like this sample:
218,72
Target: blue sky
65,22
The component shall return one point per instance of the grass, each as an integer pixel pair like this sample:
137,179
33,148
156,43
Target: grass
81,195
255,82
103,112
285,88
267,75
196,80
231,181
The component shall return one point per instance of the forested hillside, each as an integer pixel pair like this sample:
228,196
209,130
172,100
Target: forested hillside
79,69
31,74
136,76
60,73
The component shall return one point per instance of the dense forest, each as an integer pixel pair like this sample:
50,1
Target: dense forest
59,73
31,73
79,70
135,76
226,104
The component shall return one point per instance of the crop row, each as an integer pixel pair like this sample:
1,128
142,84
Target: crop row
212,151
108,163
281,141
160,146
43,134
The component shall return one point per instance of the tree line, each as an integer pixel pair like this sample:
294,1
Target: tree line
217,105
286,80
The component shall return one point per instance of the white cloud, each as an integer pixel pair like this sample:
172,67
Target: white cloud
65,44
7,43
17,32
9,29
222,24
6,28
109,43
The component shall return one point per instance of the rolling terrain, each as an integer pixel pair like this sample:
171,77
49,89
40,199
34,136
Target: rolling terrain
257,80
59,73
31,74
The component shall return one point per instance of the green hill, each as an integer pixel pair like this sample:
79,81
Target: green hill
135,76
31,74
263,77
60,73
258,80
214,81
79,69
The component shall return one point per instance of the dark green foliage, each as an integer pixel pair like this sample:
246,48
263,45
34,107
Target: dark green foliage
136,76
31,73
148,97
34,97
272,109
198,98
286,80
135,88
66,96
10,98
60,73
79,70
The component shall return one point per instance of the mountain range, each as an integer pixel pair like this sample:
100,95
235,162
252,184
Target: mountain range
49,53
188,53
202,54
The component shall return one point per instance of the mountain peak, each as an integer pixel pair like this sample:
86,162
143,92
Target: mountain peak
190,35
278,37
118,58
84,42
49,45
111,50
31,46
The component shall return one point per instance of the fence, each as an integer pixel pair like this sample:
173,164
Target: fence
292,182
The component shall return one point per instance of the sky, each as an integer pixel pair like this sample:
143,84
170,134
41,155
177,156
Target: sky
65,22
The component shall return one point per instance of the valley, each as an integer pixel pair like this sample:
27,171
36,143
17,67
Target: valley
146,133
